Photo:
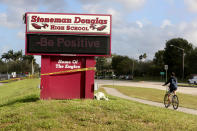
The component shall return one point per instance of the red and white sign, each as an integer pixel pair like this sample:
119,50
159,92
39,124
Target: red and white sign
68,23
68,64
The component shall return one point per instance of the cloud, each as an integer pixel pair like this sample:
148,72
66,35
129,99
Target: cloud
54,5
38,59
12,18
93,8
21,35
133,40
190,32
139,23
166,23
5,22
128,5
132,4
192,5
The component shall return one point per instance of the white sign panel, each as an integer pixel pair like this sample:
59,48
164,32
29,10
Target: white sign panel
68,23
166,67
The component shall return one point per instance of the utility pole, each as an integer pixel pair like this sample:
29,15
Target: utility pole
182,60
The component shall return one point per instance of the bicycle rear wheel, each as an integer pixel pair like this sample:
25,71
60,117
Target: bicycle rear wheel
166,101
175,102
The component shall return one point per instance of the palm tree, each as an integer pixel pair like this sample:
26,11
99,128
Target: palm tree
30,59
17,56
144,56
6,58
11,54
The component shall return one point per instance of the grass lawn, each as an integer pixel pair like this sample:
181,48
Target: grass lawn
185,100
21,109
188,85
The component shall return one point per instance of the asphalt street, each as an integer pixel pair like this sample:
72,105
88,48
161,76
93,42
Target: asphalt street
145,84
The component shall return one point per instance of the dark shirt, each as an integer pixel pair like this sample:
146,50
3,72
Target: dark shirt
172,81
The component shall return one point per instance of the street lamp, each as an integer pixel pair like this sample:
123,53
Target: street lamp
183,58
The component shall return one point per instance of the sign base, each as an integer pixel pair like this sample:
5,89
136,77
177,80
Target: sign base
67,77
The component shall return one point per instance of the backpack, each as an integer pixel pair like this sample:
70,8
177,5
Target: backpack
173,82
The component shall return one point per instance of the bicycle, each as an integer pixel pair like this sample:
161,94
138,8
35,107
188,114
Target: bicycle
174,99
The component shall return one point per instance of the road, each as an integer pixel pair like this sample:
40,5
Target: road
145,84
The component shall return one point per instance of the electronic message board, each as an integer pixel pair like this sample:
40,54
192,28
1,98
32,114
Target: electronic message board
68,44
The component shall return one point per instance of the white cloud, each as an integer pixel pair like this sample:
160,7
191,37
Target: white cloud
192,5
139,23
12,18
4,21
182,26
190,32
21,35
166,23
128,5
132,4
128,38
38,59
191,36
131,40
93,8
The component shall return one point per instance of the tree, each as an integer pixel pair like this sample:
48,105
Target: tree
100,63
191,59
125,66
6,58
29,59
158,59
17,62
143,56
17,56
116,59
140,57
173,56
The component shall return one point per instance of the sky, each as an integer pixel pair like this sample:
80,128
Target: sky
138,26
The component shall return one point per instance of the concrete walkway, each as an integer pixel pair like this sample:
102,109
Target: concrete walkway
114,92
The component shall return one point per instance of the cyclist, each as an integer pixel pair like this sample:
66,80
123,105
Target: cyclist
173,85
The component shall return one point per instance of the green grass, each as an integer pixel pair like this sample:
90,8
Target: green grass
187,85
185,100
24,111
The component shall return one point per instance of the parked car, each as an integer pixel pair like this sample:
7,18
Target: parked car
193,80
128,77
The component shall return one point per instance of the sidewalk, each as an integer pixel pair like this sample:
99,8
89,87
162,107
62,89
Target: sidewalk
114,92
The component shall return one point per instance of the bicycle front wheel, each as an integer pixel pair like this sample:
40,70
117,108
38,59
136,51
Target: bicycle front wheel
175,102
166,101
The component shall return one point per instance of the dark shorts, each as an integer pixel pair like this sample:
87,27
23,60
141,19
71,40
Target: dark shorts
172,89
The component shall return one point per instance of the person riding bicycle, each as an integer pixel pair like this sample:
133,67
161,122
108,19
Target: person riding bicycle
173,85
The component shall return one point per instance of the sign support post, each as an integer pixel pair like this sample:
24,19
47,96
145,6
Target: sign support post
166,68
